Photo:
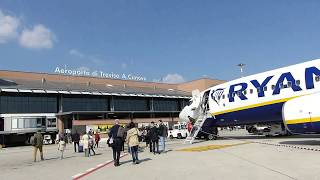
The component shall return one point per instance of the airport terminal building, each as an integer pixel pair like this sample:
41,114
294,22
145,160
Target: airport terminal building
54,102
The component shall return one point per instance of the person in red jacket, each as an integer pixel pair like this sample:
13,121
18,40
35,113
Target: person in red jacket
189,125
97,139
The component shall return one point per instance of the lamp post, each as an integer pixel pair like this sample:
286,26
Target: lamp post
241,65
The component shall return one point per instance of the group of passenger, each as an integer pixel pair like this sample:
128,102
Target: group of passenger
155,135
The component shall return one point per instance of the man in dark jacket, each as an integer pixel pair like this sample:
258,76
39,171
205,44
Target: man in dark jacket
76,139
154,137
163,134
37,144
148,138
117,142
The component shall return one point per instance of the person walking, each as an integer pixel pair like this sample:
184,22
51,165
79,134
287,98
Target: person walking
91,145
132,140
116,142
163,134
61,147
97,139
37,145
85,141
148,140
76,140
154,137
189,125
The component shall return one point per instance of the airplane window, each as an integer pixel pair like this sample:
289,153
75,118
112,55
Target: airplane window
289,84
272,87
317,78
245,92
298,82
223,96
251,91
258,90
265,88
285,86
239,93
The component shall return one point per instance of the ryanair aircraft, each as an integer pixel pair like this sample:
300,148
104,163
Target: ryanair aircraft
289,95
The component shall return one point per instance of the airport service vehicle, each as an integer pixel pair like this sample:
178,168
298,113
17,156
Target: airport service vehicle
178,131
47,139
288,95
268,130
18,128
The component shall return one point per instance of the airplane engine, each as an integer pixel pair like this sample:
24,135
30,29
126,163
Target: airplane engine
301,115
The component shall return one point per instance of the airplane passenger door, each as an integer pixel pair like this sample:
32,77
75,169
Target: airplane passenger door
205,101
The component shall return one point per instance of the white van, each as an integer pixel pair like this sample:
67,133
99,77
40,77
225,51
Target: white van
178,131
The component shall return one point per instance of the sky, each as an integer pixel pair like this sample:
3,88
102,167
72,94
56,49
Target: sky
169,41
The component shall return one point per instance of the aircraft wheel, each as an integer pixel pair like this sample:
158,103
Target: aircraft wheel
210,137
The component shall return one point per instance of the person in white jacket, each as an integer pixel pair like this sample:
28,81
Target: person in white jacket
85,141
61,147
133,142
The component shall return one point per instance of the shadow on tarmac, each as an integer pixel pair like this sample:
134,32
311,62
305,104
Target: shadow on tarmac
303,142
264,137
130,161
55,158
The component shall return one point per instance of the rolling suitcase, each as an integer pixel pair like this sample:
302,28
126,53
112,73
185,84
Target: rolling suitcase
80,148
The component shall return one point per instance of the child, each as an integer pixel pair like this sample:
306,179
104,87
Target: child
61,147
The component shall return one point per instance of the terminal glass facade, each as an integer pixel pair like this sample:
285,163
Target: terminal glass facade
94,103
130,104
165,105
31,103
53,103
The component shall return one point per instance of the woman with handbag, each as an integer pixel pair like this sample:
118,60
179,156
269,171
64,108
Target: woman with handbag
133,142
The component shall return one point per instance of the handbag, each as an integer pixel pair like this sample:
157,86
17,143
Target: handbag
110,141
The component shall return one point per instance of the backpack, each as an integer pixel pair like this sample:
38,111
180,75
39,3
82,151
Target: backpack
120,132
32,141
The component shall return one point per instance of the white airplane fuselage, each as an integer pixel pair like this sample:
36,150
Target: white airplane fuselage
282,95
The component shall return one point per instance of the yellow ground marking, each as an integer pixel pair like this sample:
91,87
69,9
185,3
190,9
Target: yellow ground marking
210,147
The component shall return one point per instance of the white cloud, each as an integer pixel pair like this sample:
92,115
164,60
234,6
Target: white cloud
96,60
8,27
173,78
77,53
38,37
124,65
83,68
92,59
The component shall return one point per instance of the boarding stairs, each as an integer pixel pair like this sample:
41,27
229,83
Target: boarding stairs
196,128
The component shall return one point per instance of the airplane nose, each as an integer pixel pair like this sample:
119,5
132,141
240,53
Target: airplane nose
186,111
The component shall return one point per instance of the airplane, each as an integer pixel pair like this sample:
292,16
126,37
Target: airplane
289,96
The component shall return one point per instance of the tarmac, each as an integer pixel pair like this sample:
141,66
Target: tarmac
235,155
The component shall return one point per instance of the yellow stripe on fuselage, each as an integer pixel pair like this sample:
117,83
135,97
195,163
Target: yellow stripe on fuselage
303,120
254,105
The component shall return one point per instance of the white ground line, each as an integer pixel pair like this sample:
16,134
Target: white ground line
99,165
90,169
77,175
96,168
